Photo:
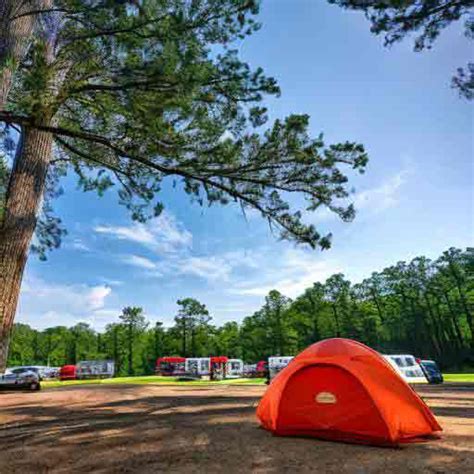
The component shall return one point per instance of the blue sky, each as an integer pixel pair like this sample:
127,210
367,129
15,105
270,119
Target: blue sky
415,199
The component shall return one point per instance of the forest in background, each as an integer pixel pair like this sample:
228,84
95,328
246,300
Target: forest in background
423,307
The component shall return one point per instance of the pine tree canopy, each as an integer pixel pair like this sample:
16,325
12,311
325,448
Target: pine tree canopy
136,92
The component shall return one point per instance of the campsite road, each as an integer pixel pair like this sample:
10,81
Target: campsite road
143,429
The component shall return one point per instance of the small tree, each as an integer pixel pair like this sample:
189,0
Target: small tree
309,306
192,315
275,314
134,322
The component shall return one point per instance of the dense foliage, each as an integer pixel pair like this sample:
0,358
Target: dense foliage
422,307
134,92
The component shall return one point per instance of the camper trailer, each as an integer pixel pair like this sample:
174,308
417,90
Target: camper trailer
276,364
261,368
250,370
170,366
219,367
198,366
95,369
407,367
67,372
234,368
207,367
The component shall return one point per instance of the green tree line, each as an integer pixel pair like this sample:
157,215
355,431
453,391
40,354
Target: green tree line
422,307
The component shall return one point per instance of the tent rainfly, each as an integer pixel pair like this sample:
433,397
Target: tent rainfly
341,390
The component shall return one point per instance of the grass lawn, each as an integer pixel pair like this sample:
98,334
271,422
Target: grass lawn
458,377
151,379
157,380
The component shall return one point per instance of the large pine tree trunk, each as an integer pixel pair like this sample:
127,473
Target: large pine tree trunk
15,37
23,201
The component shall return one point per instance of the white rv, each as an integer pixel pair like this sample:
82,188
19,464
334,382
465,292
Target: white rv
407,367
95,369
276,364
199,366
234,368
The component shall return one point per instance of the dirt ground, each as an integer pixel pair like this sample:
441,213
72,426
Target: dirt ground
147,428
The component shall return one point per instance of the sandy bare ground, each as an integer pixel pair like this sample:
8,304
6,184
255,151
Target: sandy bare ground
204,429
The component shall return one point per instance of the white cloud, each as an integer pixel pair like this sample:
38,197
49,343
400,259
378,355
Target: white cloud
135,233
100,318
172,243
96,296
370,201
295,270
78,244
209,267
217,267
111,281
382,197
43,304
138,261
163,235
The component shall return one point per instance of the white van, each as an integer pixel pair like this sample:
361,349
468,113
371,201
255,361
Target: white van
234,368
407,367
276,364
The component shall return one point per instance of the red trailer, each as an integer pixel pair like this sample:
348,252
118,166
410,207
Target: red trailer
170,366
67,372
262,368
218,367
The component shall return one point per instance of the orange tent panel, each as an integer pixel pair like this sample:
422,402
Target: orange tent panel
341,390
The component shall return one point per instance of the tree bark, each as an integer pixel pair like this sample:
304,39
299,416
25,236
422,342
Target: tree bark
130,349
116,352
183,338
15,39
336,319
375,298
314,319
454,319
465,306
23,201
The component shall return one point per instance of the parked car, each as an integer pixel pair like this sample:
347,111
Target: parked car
407,367
27,368
28,380
431,370
52,372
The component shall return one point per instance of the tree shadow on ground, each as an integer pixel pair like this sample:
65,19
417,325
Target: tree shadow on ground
454,411
195,433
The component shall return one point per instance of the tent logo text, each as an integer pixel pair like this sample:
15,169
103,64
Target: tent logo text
326,397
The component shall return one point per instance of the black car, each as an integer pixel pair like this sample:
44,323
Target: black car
26,380
431,371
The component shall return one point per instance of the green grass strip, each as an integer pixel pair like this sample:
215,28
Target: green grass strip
151,379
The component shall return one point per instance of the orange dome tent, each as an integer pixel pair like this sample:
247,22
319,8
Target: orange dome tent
342,390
